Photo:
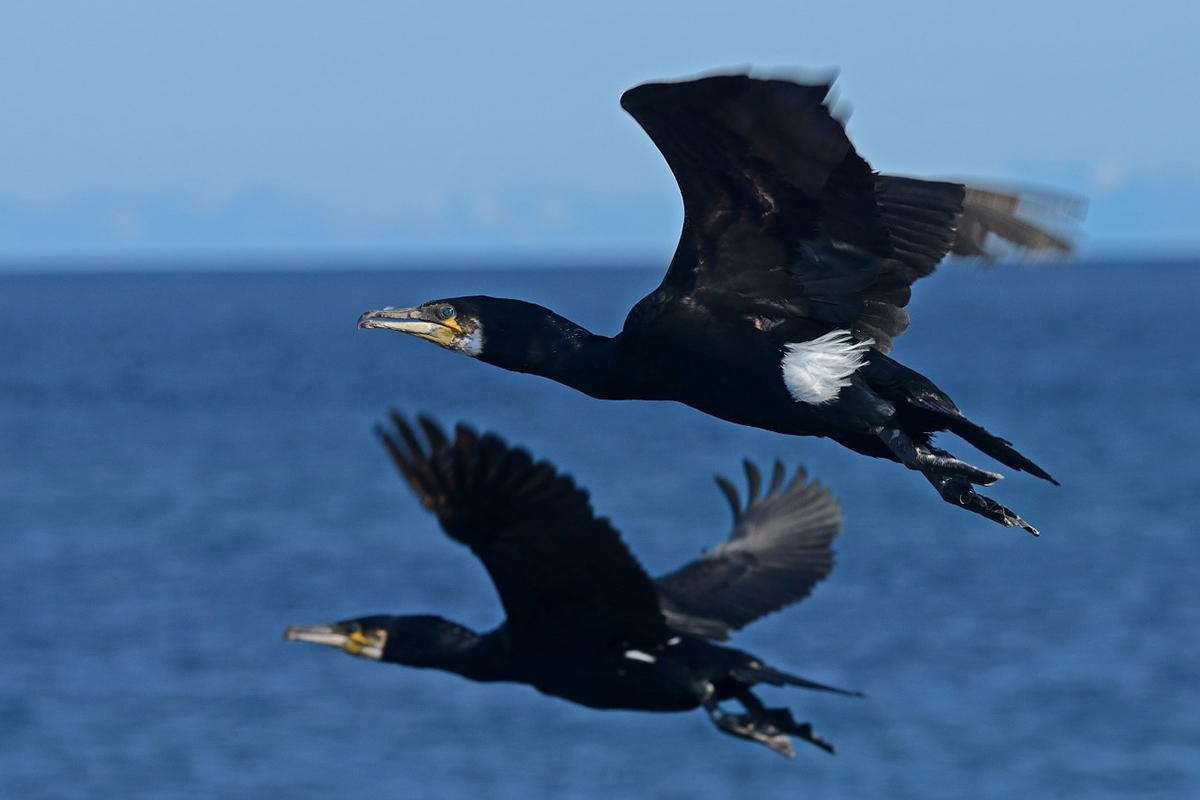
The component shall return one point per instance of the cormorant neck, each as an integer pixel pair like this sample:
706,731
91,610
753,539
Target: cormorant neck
533,339
434,643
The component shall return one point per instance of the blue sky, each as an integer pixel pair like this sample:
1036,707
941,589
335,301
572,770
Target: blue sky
478,130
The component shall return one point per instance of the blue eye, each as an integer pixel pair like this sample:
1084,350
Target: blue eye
447,312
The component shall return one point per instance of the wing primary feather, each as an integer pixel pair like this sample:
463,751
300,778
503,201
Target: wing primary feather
411,467
437,456
731,496
778,473
417,462
406,432
438,443
753,480
797,479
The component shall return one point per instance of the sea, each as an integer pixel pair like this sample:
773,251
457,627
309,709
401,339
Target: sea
187,467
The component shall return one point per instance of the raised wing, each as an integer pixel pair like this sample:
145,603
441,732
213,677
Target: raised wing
561,572
784,223
779,550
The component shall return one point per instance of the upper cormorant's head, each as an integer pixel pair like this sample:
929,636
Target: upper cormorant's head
456,324
416,640
511,334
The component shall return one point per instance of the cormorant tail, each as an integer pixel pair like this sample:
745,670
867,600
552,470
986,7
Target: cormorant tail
935,411
754,671
999,449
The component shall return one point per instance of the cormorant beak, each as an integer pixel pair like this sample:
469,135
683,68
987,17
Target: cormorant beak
419,322
358,642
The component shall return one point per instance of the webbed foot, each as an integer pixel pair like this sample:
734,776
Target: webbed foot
960,492
927,459
768,726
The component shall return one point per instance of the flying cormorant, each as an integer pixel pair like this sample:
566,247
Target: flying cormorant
785,292
584,621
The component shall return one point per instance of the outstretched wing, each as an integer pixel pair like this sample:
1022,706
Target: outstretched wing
779,550
985,222
999,222
561,572
786,228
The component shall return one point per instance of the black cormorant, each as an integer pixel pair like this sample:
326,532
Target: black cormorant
584,621
785,292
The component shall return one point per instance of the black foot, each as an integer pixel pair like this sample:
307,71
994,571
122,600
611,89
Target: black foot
960,492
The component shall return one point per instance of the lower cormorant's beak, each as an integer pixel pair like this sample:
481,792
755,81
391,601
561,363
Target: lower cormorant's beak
357,642
317,634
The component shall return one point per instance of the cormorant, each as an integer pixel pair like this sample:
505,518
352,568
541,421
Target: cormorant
584,621
785,292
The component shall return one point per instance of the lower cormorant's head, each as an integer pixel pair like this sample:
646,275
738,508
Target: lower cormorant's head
421,640
365,637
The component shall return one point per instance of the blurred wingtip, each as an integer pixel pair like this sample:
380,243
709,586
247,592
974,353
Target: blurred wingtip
1019,223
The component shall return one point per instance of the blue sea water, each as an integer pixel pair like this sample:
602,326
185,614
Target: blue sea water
187,467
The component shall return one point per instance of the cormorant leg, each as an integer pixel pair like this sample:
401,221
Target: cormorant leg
925,458
747,726
959,492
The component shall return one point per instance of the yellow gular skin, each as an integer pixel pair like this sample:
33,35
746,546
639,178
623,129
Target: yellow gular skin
445,332
355,642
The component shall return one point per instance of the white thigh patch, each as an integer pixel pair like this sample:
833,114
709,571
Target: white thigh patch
815,372
638,655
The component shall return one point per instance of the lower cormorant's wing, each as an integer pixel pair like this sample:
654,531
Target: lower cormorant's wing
779,550
561,572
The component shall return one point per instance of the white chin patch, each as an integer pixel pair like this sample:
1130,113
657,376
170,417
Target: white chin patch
815,372
473,344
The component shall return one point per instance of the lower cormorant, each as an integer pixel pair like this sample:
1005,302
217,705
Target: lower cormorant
787,287
584,621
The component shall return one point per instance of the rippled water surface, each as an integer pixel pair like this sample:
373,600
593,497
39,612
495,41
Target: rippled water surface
187,467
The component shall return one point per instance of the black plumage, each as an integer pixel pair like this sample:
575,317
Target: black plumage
583,619
785,293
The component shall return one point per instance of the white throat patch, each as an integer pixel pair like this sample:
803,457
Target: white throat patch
815,372
473,345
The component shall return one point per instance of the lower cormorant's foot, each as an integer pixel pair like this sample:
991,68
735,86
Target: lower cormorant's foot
958,491
746,726
781,719
809,735
767,726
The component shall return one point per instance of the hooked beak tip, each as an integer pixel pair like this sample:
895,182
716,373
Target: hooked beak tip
321,634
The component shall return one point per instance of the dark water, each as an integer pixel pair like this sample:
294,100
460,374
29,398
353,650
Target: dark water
186,467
